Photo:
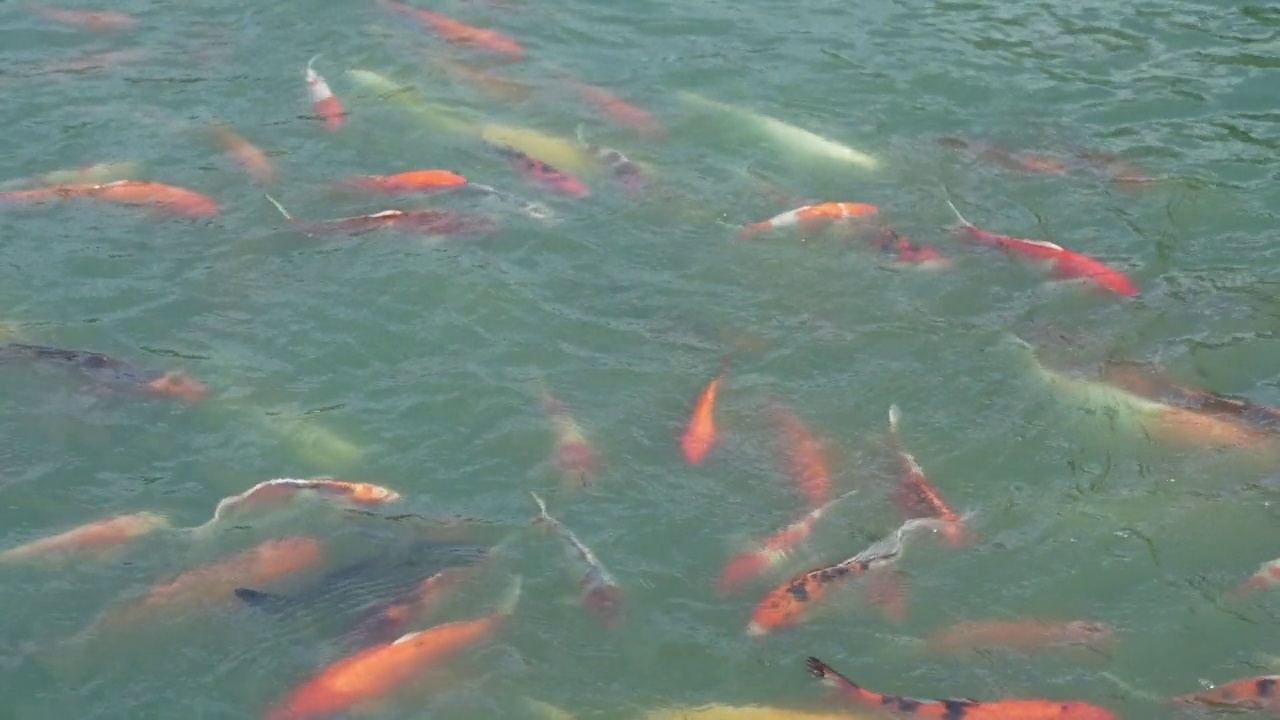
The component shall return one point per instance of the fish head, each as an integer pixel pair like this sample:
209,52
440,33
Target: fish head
179,385
606,602
370,494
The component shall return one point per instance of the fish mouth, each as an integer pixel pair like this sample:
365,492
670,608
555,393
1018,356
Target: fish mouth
755,629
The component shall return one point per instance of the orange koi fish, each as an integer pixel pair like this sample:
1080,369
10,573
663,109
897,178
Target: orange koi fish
773,550
700,434
495,85
805,463
376,671
1268,575
1145,382
887,240
601,593
618,110
92,539
458,32
810,217
541,172
418,222
179,201
916,496
1065,264
93,20
409,182
963,709
323,101
250,156
1025,635
1256,692
280,491
577,460
1005,158
387,621
788,603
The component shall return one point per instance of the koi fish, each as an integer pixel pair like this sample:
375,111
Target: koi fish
888,240
387,620
577,460
601,593
1025,635
564,153
810,217
532,209
961,709
805,463
282,490
426,222
1022,162
774,550
323,101
1145,382
409,182
454,31
93,20
94,538
179,201
700,434
1065,264
95,174
748,712
916,496
1256,692
250,156
374,672
92,62
619,166
1268,575
543,173
787,604
109,372
794,139
617,109
441,118
496,86
1121,171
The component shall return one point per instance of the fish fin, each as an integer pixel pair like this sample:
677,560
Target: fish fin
264,600
279,207
312,61
823,672
512,597
407,637
959,217
543,515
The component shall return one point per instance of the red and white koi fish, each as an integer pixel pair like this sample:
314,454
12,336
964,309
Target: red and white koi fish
377,671
962,709
790,602
421,222
804,457
93,20
459,32
1066,264
1026,635
250,156
618,110
811,217
916,496
1252,693
774,550
701,433
601,593
154,195
576,459
541,172
281,491
323,101
95,538
412,181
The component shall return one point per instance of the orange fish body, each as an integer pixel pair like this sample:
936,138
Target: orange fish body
1184,426
700,434
1267,576
1257,692
250,156
917,497
126,192
805,463
93,20
455,31
409,182
810,217
387,621
618,110
964,709
1025,635
576,459
323,101
93,538
773,550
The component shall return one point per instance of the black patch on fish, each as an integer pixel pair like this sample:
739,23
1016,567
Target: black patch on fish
955,709
265,601
906,705
1265,686
798,591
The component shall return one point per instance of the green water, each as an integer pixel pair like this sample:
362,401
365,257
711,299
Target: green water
415,363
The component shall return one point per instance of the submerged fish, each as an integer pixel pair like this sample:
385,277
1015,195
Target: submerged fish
1026,635
158,196
577,460
419,222
91,19
916,496
1254,692
1146,382
804,457
625,171
455,31
409,98
108,372
95,174
700,433
94,538
601,593
271,493
408,182
250,156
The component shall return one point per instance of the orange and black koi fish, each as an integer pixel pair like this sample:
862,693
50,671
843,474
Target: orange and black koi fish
1256,692
159,196
458,32
423,222
916,496
1144,381
773,550
700,434
904,249
577,460
804,457
409,182
1007,159
618,110
541,172
250,156
375,672
1026,635
961,709
1066,264
94,538
108,372
788,603
811,217
601,593
274,493
323,101
93,20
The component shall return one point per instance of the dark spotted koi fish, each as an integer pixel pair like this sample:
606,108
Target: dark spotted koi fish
419,222
541,172
109,372
958,709
916,496
601,593
1256,692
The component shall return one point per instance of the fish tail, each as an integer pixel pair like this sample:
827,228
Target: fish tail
280,207
512,597
312,62
830,677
